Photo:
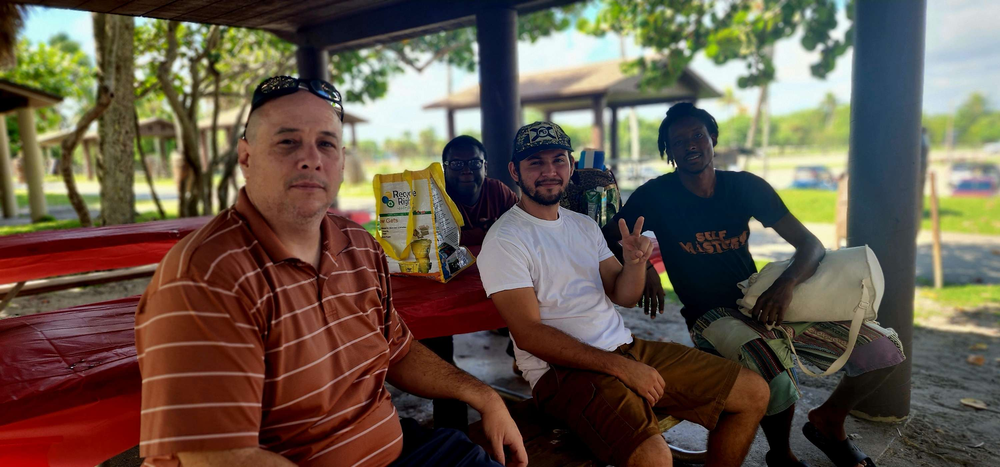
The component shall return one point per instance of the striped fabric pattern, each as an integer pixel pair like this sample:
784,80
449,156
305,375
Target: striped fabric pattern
242,345
819,344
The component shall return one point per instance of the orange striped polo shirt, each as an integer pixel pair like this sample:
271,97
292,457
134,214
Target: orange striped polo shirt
241,344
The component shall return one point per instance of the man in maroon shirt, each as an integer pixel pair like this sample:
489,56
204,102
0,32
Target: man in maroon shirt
481,200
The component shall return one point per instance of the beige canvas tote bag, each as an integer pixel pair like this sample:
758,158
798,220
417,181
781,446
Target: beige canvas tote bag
848,286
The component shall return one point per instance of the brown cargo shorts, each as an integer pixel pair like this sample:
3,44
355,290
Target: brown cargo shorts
613,420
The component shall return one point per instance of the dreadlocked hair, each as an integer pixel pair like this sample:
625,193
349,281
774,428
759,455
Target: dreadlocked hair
675,114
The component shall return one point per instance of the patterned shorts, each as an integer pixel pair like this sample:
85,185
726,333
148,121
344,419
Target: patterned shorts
730,334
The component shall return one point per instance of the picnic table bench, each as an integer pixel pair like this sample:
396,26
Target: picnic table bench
70,387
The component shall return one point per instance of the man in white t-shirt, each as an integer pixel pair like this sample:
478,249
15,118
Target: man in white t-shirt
555,282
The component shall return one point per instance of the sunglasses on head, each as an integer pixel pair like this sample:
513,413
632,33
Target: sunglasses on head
278,86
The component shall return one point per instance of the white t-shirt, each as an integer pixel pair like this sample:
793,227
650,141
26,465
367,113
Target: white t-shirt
560,259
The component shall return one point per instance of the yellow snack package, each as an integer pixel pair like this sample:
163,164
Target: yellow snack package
419,225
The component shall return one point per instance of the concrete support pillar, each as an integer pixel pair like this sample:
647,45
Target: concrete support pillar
354,136
312,63
88,160
6,173
451,124
161,145
499,96
548,116
597,132
613,142
34,172
884,160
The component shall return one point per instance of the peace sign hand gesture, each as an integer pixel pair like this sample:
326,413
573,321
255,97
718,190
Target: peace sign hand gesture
636,248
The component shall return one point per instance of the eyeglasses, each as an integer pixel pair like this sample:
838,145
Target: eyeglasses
459,165
278,86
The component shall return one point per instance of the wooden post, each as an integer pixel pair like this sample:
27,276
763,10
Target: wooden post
34,171
6,173
936,232
597,132
613,150
886,102
451,124
500,100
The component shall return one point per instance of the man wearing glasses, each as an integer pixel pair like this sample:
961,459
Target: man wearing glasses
266,337
481,200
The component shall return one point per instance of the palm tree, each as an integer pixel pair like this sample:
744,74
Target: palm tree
729,100
829,107
11,22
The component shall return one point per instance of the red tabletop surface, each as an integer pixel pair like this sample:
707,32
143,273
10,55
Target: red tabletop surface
433,309
38,255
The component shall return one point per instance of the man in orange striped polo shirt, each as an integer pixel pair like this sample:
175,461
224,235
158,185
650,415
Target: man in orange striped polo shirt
266,337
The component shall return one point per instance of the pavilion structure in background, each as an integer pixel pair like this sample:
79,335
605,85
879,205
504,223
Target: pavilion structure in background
594,87
163,130
153,127
886,101
24,100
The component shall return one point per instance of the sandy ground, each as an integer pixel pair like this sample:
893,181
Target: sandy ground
940,431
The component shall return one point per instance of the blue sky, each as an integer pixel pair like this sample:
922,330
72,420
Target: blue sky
962,55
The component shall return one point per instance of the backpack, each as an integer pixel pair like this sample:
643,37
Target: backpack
593,192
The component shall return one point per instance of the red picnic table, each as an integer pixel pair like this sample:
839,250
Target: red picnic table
69,379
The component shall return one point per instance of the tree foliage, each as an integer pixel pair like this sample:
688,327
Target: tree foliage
677,30
363,75
59,68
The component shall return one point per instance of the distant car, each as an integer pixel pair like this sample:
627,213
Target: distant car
981,187
964,171
815,177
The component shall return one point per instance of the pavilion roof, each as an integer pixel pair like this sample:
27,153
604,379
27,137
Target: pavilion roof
16,95
153,126
332,24
574,89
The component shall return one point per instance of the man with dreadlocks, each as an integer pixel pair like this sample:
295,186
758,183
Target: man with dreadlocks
701,219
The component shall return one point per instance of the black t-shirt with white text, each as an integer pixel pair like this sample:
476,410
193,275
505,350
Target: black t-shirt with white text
703,241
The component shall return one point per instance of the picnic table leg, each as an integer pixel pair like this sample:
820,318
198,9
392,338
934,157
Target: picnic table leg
10,295
448,413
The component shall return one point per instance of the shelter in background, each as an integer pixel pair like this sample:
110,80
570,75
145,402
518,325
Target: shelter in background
23,100
163,130
153,127
594,87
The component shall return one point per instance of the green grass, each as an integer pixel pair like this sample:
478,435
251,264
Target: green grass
668,288
53,199
360,190
965,215
73,223
963,295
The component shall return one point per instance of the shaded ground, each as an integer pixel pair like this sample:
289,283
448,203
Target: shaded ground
940,430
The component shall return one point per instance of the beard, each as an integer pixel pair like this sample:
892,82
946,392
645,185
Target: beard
544,200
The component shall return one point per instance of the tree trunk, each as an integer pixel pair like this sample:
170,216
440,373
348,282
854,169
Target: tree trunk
229,161
751,135
68,145
117,127
145,169
191,185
